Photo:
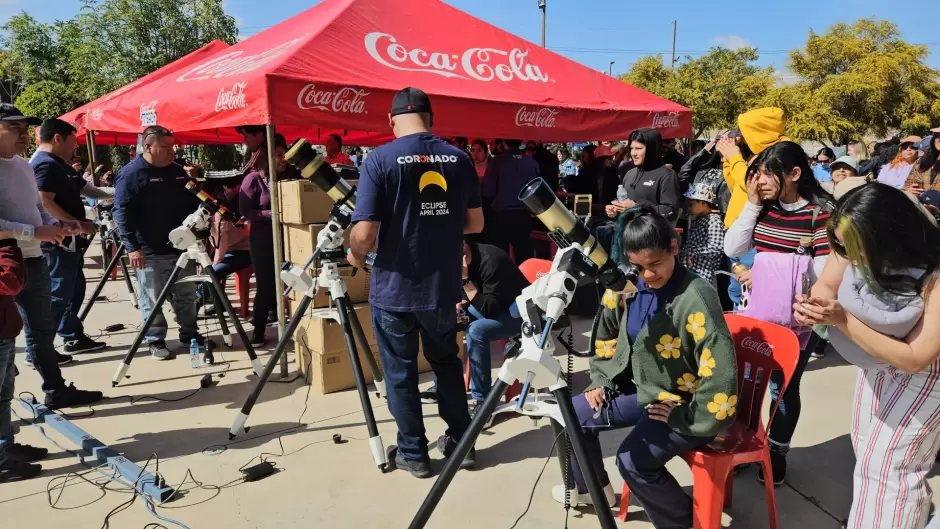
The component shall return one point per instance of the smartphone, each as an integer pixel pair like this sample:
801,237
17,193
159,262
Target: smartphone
807,285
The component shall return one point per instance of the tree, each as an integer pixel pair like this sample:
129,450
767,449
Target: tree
859,79
717,87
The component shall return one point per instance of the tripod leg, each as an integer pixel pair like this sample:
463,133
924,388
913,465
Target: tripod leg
463,448
377,375
347,313
227,307
126,363
576,438
239,425
219,310
127,276
100,286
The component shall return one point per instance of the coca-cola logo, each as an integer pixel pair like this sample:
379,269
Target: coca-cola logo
346,100
233,63
665,121
231,99
543,118
482,64
148,114
762,348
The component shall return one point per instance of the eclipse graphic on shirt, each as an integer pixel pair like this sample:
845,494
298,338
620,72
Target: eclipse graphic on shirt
426,186
432,177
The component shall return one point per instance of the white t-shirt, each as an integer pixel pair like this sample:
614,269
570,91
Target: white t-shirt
20,207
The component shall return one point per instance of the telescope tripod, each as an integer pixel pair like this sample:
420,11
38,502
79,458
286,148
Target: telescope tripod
345,315
196,252
110,240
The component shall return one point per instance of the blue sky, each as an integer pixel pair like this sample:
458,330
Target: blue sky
595,32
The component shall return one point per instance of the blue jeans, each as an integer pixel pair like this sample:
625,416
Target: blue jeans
151,280
34,303
641,458
67,279
231,263
788,413
480,333
397,337
7,377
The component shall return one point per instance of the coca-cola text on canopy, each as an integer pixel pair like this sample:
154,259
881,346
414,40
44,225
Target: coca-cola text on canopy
665,121
543,118
232,98
482,64
347,100
232,63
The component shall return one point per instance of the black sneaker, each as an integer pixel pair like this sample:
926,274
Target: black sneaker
63,359
159,351
778,465
820,350
11,471
200,339
71,396
478,405
26,453
446,444
429,396
84,345
258,340
420,468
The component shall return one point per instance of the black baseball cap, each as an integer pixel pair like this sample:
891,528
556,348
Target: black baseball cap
410,101
9,112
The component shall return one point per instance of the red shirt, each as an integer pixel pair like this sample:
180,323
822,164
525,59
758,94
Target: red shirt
12,279
340,157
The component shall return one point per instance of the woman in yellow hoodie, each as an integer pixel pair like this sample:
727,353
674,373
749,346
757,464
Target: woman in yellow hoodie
760,128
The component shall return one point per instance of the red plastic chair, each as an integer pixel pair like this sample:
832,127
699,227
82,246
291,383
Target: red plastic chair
761,348
242,287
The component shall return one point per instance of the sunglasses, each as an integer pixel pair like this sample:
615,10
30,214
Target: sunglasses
906,146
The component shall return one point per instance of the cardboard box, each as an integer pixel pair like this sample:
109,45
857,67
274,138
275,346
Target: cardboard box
357,288
300,240
325,335
302,202
331,371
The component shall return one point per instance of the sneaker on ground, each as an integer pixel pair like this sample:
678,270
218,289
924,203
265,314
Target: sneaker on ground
446,444
63,359
420,468
70,396
778,466
200,339
83,345
25,453
473,414
576,498
11,471
159,351
429,396
258,340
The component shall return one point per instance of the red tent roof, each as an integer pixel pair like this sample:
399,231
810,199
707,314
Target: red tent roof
336,66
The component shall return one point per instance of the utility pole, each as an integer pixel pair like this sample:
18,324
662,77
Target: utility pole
610,69
672,64
542,7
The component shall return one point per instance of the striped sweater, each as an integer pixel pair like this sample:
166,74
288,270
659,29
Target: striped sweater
779,230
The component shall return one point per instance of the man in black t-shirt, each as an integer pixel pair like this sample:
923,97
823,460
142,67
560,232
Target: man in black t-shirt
417,197
60,189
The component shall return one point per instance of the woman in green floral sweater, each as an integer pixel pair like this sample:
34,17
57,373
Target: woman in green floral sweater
665,364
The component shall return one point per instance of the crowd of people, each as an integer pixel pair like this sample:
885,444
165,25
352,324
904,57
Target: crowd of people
449,234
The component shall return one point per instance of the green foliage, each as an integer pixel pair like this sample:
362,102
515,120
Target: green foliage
212,157
46,99
717,86
107,45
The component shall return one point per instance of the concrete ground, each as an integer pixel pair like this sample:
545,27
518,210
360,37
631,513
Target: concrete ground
322,484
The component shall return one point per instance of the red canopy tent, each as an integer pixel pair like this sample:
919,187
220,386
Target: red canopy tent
336,66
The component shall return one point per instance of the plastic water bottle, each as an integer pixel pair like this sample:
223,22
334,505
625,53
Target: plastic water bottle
621,193
370,259
194,354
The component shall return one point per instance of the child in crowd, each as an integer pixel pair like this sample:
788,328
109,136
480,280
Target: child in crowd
15,458
703,250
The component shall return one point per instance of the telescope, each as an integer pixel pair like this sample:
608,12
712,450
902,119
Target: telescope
212,205
313,167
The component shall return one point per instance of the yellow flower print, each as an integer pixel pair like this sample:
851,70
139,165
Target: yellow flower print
665,395
611,299
668,346
706,363
605,348
723,406
689,383
696,325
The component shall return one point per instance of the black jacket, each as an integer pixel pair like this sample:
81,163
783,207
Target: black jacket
497,279
149,202
653,183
